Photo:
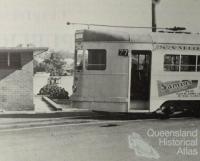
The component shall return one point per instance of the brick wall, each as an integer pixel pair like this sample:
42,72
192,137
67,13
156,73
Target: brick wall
16,86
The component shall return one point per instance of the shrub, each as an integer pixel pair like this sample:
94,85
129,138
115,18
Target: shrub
53,91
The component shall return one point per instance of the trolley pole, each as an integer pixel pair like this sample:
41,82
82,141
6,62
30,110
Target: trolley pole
153,17
153,9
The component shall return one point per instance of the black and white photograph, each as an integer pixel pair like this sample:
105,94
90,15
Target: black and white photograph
99,80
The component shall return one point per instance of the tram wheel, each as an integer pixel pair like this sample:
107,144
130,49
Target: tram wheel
196,112
166,111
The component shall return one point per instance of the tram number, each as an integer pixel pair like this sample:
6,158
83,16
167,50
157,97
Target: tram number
123,52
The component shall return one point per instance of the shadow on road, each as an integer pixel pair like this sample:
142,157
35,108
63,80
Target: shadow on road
136,116
95,115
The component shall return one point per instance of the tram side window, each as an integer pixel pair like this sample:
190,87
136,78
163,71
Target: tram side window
198,64
171,62
79,59
188,63
95,59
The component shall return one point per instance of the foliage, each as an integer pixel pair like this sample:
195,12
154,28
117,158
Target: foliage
54,92
39,67
53,63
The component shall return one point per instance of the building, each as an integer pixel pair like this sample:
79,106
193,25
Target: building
16,78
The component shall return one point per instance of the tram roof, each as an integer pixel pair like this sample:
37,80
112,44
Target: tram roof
171,38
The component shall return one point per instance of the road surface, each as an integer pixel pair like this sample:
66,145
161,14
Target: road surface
111,140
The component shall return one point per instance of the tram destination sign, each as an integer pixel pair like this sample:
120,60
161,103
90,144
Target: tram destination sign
177,47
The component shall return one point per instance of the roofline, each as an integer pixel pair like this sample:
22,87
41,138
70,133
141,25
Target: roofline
23,49
144,42
149,38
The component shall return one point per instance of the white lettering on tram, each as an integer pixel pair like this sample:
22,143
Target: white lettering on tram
177,47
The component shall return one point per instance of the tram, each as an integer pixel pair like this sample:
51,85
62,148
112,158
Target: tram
121,72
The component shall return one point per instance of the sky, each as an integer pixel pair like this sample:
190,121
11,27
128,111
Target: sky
43,22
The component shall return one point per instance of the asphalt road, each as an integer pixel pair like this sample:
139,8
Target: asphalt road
113,140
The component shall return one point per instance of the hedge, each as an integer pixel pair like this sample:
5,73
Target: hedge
53,91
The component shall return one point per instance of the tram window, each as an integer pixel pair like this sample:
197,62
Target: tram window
171,62
95,59
79,59
188,63
198,64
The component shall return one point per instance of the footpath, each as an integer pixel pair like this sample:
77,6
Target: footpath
46,113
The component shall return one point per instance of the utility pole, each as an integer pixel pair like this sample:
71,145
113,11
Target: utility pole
153,9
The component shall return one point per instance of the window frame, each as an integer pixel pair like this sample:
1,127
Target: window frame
172,65
188,65
79,64
86,58
9,64
5,61
197,63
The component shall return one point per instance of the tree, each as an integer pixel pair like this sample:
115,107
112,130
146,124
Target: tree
54,64
38,67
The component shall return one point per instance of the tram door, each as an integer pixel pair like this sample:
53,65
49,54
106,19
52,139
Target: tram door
140,80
